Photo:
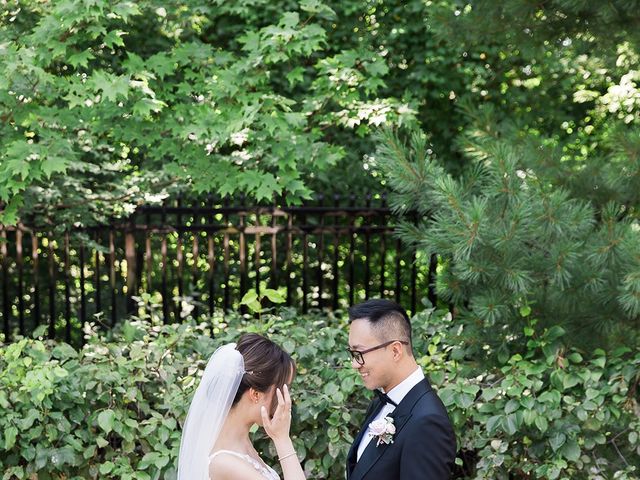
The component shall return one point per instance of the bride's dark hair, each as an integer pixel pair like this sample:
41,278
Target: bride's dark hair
266,365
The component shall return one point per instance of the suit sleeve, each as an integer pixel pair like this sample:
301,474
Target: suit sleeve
430,449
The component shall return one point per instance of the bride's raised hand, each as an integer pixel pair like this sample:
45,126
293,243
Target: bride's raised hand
277,427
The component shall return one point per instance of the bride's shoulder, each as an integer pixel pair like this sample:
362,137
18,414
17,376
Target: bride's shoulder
229,466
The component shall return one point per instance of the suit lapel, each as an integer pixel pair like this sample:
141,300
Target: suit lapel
401,416
352,458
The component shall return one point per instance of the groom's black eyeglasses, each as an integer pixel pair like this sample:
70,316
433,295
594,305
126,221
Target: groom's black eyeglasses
357,355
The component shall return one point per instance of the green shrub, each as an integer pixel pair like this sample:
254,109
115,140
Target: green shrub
114,409
547,412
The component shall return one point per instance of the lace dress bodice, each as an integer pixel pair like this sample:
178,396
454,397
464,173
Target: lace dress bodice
266,471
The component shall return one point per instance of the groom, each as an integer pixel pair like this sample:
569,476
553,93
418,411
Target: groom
412,437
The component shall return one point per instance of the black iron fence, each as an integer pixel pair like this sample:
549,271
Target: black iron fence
325,255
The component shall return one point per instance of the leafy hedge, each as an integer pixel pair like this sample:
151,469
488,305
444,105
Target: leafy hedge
114,409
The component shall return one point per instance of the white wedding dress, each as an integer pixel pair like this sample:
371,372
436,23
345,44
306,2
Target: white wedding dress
266,471
207,413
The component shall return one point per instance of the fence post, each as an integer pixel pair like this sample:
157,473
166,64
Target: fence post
305,260
336,254
98,296
367,249
52,289
258,252
130,255
5,284
398,288
67,288
274,249
211,258
36,278
288,256
320,273
164,255
83,306
242,254
433,266
20,267
352,246
225,246
112,276
195,253
179,258
383,254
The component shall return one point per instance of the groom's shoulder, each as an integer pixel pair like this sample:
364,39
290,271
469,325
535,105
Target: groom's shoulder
429,403
428,413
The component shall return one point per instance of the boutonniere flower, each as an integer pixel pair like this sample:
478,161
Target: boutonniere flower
384,429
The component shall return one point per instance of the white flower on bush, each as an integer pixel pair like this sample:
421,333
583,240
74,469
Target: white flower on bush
239,138
384,429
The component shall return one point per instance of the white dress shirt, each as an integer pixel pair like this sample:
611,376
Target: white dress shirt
396,394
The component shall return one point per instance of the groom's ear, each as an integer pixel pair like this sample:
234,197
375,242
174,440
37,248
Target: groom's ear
398,350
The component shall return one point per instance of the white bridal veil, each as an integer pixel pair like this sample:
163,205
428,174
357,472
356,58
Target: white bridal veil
208,411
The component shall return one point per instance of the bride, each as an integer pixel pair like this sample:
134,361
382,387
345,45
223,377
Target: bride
242,385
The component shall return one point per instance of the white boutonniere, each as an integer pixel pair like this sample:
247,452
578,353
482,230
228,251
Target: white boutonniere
384,429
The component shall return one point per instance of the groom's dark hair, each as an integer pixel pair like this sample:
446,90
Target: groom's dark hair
386,317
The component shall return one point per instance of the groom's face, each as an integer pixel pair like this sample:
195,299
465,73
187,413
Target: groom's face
375,372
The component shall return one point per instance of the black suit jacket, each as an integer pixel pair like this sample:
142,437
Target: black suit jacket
424,445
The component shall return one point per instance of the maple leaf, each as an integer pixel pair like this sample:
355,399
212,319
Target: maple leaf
110,85
295,76
9,215
378,67
114,37
267,187
145,106
251,41
126,10
73,99
317,7
134,63
18,167
81,58
289,20
161,64
52,164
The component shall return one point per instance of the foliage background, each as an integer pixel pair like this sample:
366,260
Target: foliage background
522,161
118,103
107,105
114,409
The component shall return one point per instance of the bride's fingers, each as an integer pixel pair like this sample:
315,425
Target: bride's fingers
279,411
287,397
266,421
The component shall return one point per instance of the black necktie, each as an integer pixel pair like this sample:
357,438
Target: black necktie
384,398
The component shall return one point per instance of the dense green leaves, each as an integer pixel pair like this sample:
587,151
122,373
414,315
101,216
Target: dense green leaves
114,409
119,103
512,244
543,414
540,217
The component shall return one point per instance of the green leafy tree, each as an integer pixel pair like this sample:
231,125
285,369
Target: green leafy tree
533,203
109,104
510,241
